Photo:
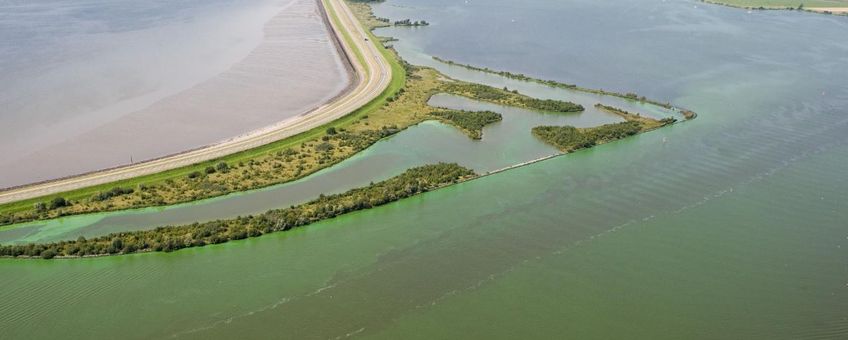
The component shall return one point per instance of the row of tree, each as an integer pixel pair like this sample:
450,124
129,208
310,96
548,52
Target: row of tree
554,83
513,98
411,182
506,74
408,22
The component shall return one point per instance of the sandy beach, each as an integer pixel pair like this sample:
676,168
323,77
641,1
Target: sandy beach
838,10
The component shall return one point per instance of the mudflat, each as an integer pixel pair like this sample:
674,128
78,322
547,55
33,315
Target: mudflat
294,69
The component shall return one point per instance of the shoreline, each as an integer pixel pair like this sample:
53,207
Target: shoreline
837,11
359,92
489,173
248,156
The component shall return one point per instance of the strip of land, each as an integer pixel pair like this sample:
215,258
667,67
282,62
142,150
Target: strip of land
166,239
839,7
373,75
556,84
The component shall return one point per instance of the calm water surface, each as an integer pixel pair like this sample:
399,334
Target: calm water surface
734,227
86,85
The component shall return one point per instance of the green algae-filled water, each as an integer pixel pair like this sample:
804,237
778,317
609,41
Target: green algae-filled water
734,225
503,144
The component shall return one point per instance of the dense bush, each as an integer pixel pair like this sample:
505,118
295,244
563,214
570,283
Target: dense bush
552,105
488,93
409,22
58,202
569,138
470,121
116,191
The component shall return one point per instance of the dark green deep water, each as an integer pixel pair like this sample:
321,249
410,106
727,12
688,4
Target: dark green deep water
734,225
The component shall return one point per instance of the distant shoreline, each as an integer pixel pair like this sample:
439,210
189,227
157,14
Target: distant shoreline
751,5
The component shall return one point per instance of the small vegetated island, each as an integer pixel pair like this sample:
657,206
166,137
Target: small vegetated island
569,138
471,123
404,104
410,23
838,7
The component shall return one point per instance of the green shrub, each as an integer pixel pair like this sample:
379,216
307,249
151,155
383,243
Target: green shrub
222,167
58,202
569,138
470,121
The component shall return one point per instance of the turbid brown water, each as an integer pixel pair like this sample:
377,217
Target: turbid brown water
291,68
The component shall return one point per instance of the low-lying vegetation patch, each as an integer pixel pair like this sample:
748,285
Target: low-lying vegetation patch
554,83
569,138
510,98
410,23
647,122
471,122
